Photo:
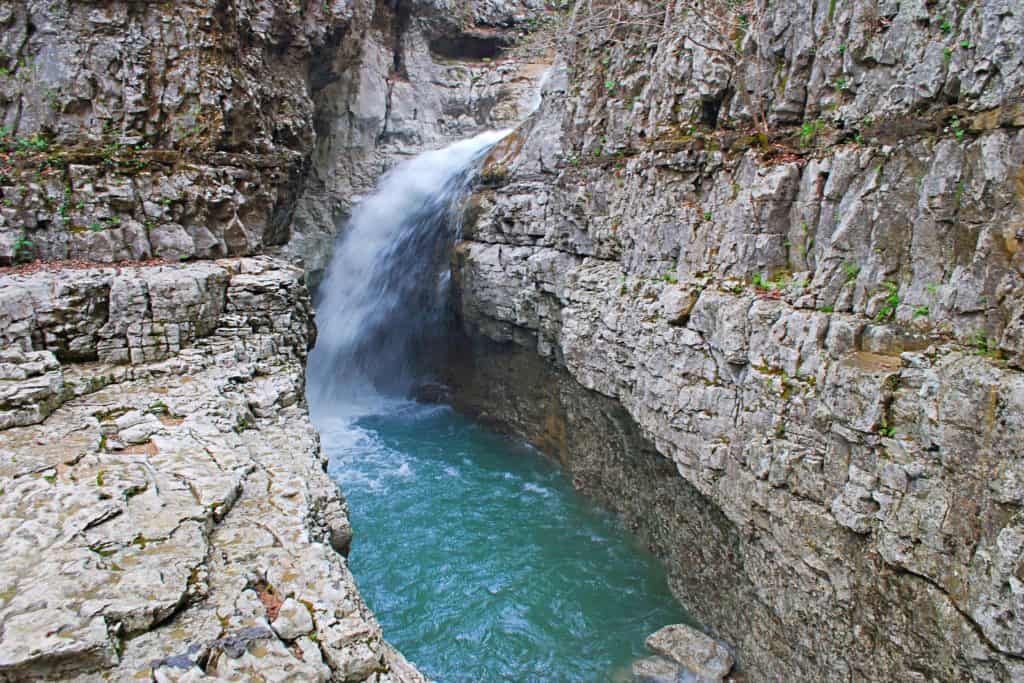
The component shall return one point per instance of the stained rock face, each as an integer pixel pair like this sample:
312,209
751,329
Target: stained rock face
819,331
168,514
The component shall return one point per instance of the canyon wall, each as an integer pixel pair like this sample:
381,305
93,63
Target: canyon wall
165,509
205,129
787,244
752,272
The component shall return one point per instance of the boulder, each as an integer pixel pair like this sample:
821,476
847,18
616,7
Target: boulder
700,653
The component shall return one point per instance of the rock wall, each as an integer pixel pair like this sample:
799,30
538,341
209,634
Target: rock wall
165,508
791,252
205,129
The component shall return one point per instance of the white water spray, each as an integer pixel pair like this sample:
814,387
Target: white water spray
384,300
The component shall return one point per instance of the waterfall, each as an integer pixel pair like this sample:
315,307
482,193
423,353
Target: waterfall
382,306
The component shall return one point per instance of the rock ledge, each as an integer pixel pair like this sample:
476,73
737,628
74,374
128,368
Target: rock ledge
164,509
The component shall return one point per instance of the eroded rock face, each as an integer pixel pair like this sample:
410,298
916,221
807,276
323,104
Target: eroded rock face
821,335
205,129
171,518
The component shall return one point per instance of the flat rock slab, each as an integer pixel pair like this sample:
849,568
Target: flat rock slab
173,519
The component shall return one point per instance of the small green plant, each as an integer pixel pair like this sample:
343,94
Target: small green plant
95,226
707,216
921,312
670,277
984,345
762,282
36,143
610,85
494,174
957,128
932,288
891,302
809,131
945,26
22,248
852,270
827,309
887,430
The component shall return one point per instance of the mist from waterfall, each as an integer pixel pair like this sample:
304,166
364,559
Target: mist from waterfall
381,313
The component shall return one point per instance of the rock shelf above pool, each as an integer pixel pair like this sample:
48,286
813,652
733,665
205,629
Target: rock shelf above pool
164,510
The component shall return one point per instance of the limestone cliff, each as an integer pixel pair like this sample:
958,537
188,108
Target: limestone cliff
204,129
165,508
778,249
163,500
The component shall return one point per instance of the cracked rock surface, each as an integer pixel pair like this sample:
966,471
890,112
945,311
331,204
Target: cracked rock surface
167,516
818,333
203,129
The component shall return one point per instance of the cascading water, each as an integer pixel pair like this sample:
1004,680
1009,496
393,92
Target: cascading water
381,314
474,552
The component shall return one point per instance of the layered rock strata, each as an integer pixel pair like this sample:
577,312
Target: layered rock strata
165,510
203,129
804,286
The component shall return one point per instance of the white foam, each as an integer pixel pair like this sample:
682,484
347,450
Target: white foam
536,488
372,305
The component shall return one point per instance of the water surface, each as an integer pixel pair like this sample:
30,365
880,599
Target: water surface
478,558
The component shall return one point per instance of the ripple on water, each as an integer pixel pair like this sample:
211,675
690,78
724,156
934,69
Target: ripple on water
478,558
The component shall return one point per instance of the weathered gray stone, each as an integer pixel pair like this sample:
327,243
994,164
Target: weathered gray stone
293,620
153,524
845,387
657,670
266,124
699,653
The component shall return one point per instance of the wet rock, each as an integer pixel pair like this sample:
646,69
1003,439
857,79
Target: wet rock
699,653
658,670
